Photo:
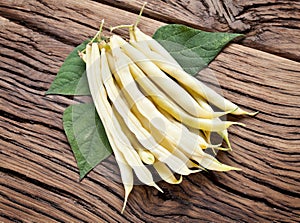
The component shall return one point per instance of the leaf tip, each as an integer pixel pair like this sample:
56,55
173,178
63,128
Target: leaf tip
48,92
83,173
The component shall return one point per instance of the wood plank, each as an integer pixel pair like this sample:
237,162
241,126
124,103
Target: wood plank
272,25
39,178
83,18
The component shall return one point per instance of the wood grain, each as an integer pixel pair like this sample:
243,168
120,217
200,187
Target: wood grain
272,25
39,177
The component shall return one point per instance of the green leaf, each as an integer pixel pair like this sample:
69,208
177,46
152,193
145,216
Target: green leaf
71,78
193,49
86,136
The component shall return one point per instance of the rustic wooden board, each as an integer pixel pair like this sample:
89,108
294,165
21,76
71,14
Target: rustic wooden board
39,177
269,25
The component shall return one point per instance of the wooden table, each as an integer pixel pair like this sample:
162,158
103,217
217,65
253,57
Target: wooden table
39,177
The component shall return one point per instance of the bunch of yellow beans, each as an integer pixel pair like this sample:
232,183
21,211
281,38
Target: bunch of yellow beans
153,112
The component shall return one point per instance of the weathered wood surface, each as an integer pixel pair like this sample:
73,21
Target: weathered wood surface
269,25
38,174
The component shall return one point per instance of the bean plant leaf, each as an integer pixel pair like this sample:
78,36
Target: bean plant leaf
193,49
86,136
71,78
